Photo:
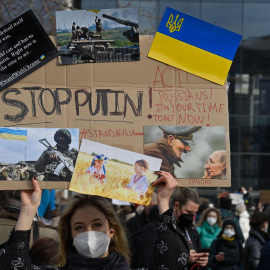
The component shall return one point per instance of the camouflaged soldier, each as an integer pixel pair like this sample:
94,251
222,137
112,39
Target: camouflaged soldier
11,172
24,171
50,163
176,140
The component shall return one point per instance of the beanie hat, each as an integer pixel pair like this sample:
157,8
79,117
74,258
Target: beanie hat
225,203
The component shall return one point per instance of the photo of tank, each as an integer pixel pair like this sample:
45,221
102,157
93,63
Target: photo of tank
111,35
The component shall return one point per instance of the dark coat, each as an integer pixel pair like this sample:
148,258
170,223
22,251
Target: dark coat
265,258
233,251
253,248
226,214
162,150
172,247
14,255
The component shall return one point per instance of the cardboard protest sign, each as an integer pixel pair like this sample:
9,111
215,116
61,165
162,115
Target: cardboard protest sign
112,172
24,47
195,46
90,36
111,103
48,153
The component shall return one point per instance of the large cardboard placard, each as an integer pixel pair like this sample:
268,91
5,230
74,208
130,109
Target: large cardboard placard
111,103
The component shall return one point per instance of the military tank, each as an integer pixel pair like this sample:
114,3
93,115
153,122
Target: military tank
91,48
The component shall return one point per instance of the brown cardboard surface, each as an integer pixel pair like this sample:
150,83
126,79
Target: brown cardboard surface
264,196
156,90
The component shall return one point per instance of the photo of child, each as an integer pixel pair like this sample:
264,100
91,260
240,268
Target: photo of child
118,181
97,168
139,182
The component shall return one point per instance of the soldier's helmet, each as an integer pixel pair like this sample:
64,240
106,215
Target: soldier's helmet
23,163
183,133
64,133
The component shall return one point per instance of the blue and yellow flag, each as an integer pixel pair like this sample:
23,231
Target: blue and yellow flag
195,46
11,134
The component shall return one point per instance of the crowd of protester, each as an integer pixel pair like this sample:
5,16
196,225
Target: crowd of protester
178,230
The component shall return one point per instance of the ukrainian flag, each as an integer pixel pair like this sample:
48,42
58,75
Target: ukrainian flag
12,134
195,46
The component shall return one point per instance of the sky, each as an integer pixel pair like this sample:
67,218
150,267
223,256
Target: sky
111,152
207,140
65,19
13,151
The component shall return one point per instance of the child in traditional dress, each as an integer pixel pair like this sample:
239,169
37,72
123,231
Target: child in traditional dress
139,182
97,168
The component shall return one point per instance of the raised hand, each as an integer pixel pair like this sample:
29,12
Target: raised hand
30,201
166,185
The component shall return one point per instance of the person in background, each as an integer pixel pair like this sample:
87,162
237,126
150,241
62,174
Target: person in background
225,204
258,236
227,250
91,235
243,215
264,258
209,226
135,224
178,244
43,251
10,207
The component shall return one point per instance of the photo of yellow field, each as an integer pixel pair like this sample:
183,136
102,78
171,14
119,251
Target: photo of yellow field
118,175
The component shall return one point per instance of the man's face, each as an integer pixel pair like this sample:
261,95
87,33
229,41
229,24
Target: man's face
213,166
178,146
189,208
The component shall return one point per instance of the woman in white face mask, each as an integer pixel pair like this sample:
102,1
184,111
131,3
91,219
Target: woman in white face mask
209,226
91,236
227,250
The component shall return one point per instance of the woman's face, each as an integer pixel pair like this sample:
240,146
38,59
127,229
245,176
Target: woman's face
89,218
212,214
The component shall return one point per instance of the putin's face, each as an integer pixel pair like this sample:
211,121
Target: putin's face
214,167
178,146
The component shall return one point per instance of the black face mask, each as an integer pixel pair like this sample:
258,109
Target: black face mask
185,220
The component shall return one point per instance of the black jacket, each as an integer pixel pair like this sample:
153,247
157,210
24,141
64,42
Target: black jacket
171,250
265,258
233,251
14,255
253,248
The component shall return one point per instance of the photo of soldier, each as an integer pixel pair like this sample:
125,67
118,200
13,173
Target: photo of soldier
57,163
10,172
99,27
175,141
170,143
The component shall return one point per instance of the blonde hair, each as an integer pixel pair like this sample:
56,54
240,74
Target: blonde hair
119,242
205,214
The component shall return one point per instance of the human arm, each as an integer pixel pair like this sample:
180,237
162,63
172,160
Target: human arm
42,162
30,200
14,253
166,185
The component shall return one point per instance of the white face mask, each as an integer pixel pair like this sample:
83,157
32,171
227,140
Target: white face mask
92,244
211,221
229,233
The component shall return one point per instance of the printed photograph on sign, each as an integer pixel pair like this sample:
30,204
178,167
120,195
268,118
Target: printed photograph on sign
114,173
24,48
48,153
188,151
96,36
